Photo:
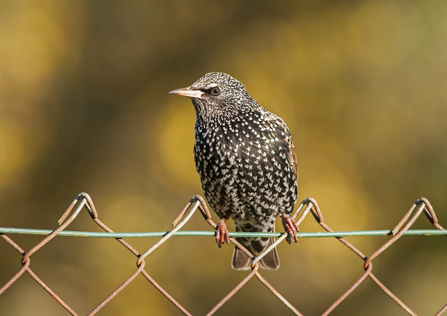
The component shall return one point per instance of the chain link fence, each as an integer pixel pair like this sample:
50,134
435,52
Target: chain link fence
309,205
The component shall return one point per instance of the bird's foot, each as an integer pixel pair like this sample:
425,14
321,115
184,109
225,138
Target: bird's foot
222,234
290,227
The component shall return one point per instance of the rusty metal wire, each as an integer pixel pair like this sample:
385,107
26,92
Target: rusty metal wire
83,201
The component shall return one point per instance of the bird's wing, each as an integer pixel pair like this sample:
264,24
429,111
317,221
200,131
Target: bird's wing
291,153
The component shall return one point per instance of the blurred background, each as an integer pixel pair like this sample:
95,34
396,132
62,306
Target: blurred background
84,107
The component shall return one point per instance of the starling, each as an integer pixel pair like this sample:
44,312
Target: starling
247,164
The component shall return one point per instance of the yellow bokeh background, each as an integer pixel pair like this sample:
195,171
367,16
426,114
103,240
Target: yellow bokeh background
84,107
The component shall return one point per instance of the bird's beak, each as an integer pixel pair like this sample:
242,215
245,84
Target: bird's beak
188,92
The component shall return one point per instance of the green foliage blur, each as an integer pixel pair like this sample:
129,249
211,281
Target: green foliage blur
84,107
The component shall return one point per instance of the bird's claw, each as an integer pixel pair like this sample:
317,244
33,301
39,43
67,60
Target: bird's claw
222,234
290,227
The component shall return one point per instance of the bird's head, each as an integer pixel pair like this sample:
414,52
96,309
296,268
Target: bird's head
216,95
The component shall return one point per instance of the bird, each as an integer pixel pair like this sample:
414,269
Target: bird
247,165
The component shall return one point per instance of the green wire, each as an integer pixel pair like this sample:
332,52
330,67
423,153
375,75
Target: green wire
410,232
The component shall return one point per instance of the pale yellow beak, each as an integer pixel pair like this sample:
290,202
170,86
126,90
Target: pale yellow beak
188,92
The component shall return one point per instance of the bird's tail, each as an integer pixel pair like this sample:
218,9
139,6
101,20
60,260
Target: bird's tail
255,245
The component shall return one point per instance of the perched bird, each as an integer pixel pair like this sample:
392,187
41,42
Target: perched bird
247,164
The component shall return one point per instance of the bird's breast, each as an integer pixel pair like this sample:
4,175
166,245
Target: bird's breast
244,168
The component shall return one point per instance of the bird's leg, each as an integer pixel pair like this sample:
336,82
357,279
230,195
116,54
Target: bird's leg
290,227
222,234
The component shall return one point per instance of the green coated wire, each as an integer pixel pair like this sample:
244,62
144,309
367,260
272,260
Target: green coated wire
410,232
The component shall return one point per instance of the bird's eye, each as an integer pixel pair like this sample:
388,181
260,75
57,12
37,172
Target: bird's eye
215,91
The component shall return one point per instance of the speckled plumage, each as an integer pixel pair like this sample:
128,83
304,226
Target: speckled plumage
246,160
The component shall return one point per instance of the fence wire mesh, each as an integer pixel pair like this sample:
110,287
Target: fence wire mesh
309,205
